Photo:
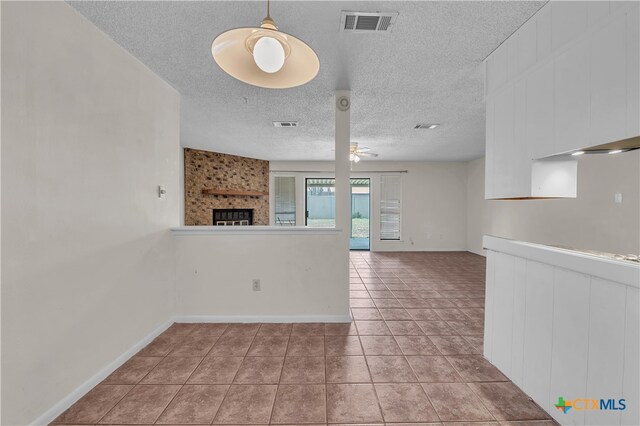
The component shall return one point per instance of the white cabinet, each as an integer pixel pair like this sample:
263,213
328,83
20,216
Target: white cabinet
608,83
606,346
597,10
520,154
565,81
571,98
543,32
633,71
526,52
568,21
538,331
570,341
503,311
503,149
539,99
497,69
559,323
519,306
631,384
489,151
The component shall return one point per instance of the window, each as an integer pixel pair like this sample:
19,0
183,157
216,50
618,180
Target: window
285,200
390,209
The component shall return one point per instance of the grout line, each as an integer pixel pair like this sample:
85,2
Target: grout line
139,383
194,370
236,373
326,385
375,391
284,360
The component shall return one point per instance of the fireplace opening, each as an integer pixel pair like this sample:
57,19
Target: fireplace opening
232,217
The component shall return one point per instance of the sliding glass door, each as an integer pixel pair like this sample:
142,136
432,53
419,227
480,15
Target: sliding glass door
320,202
360,214
320,205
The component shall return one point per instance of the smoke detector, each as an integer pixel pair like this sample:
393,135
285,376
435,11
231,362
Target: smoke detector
285,124
367,22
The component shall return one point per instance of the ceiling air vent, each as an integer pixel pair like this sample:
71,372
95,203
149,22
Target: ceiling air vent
425,126
367,22
285,124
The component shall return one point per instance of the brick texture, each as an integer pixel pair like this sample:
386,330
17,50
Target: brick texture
211,170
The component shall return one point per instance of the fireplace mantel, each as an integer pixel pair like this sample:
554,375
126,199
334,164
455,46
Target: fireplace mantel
234,192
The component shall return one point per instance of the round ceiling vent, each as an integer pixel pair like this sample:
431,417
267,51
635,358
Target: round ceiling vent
343,103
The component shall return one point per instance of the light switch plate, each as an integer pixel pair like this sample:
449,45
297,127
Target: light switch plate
617,198
162,191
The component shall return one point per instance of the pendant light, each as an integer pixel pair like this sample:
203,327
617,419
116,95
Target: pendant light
265,57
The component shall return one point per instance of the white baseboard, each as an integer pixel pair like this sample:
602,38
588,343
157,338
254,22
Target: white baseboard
261,318
51,414
482,252
382,249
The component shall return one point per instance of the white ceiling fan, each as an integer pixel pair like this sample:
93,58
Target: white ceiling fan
356,153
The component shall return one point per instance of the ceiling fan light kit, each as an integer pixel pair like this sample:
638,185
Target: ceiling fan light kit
356,153
265,57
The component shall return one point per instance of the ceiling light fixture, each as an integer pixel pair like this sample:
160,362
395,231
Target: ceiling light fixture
356,153
265,57
615,151
575,154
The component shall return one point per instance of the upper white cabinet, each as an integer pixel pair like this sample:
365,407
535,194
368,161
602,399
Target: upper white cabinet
540,118
633,71
568,21
496,70
503,135
607,66
571,99
566,80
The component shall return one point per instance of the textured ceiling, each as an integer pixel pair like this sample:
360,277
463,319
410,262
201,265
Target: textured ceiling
426,71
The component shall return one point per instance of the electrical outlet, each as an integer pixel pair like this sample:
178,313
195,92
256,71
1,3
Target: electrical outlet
256,285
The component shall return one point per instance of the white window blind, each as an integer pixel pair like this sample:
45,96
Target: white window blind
285,200
390,207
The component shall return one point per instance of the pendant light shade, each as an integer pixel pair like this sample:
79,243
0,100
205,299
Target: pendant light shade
265,57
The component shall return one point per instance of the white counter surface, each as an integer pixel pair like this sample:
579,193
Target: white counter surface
255,229
621,271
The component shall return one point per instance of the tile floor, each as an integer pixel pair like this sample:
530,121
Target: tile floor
411,355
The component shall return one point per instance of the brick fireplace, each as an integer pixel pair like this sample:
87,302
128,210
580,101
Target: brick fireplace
221,182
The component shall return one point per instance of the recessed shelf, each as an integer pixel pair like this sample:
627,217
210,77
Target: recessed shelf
234,192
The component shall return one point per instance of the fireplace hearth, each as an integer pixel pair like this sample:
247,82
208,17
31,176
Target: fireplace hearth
232,217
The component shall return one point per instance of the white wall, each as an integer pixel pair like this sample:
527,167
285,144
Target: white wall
591,221
298,273
88,269
433,200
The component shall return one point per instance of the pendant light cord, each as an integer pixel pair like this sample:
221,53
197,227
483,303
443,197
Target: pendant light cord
268,10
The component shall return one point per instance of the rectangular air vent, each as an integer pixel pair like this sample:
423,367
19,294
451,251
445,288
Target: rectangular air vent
425,126
285,124
367,22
